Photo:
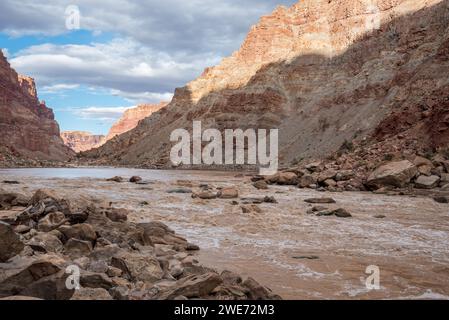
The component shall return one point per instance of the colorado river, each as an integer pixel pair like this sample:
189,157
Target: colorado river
297,255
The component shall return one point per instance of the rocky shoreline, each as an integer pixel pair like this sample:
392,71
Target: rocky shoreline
414,174
44,237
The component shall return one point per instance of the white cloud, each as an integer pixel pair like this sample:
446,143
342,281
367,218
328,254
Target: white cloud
143,97
194,25
121,65
157,45
59,87
107,114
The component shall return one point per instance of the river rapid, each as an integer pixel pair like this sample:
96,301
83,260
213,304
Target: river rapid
297,255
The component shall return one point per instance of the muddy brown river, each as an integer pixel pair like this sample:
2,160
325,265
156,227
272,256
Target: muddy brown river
297,255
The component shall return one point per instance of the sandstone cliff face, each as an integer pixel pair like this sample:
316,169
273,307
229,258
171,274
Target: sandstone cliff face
131,118
323,72
80,141
28,129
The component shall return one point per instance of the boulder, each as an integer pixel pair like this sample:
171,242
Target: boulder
441,199
192,247
446,165
91,294
46,243
51,221
117,215
306,181
315,166
260,185
9,199
394,174
425,182
95,280
120,293
341,213
52,287
270,199
195,286
136,267
41,277
444,178
123,234
77,217
105,254
231,278
256,291
114,272
82,231
320,200
10,243
78,248
344,175
21,229
94,266
316,209
135,179
257,178
326,175
158,233
205,194
325,213
421,161
330,183
43,194
228,193
425,170
287,178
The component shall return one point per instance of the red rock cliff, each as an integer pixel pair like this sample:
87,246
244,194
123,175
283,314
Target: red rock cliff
28,129
323,72
131,118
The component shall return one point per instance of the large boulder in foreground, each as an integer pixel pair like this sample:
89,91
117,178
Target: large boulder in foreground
40,277
10,243
394,174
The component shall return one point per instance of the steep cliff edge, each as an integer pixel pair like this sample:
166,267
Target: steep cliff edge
80,141
131,118
323,72
28,130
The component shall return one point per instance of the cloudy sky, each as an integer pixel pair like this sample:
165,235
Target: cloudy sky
124,52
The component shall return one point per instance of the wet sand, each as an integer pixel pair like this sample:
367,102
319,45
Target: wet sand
410,245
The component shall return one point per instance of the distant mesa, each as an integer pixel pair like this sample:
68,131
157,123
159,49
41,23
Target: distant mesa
80,141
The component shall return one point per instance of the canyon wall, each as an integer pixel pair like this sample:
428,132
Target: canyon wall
80,141
28,129
131,118
323,72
